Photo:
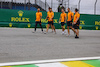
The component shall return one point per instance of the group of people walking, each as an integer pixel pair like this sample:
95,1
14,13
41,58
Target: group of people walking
73,21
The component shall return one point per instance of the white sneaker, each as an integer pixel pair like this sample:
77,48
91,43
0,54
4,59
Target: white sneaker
51,31
33,31
65,32
68,35
55,33
43,32
62,33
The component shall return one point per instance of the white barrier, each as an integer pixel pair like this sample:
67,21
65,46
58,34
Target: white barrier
47,61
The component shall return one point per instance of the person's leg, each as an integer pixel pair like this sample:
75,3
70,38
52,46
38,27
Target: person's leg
48,27
68,30
62,26
35,25
41,26
63,29
77,35
73,29
68,25
78,32
77,26
52,27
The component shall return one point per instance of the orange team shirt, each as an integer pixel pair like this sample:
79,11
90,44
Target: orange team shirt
38,16
77,15
50,14
70,15
63,15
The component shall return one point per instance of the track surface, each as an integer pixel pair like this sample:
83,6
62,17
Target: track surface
18,44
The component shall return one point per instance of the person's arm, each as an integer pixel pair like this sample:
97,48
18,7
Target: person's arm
72,15
72,18
77,18
59,19
47,16
40,16
65,17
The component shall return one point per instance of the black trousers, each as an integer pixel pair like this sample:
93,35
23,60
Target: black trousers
36,23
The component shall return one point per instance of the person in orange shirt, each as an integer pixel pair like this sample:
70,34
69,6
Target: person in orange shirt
62,20
38,19
76,22
69,20
50,16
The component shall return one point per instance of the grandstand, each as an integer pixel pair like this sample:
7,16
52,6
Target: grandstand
23,5
90,8
34,4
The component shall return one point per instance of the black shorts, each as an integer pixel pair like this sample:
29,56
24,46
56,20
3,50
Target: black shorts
50,22
76,26
38,22
62,23
78,22
69,23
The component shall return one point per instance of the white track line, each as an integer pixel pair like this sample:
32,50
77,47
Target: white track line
47,61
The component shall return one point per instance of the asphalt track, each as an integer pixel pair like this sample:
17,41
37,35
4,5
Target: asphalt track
20,44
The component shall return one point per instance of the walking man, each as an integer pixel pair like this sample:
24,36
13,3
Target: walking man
69,20
62,19
38,20
50,16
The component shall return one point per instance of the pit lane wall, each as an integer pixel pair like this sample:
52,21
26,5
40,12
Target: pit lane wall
26,19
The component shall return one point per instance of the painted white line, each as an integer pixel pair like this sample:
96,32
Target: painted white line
47,61
51,65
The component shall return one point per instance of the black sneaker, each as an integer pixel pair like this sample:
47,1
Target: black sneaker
76,36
